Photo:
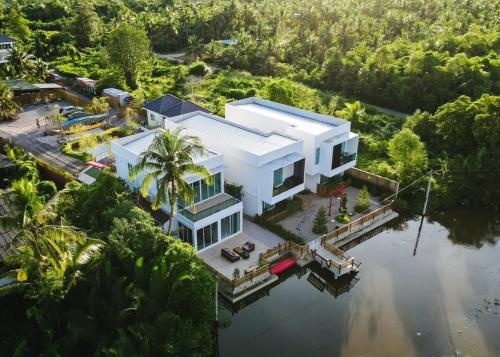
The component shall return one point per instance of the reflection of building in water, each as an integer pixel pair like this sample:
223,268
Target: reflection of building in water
320,278
323,280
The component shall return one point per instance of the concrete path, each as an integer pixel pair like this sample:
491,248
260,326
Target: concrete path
24,133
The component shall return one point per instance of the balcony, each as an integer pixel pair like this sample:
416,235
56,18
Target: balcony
288,184
342,159
208,207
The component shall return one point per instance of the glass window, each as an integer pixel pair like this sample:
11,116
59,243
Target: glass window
196,188
278,177
316,160
204,190
230,225
185,234
217,183
206,236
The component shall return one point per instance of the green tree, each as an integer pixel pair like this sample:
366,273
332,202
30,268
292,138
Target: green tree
319,222
86,24
129,48
16,25
8,108
408,154
98,106
363,203
353,112
167,162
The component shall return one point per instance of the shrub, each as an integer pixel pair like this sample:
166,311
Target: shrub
363,200
46,188
319,222
293,205
343,218
236,273
279,230
198,68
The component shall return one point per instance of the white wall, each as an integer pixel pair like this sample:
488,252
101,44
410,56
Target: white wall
154,119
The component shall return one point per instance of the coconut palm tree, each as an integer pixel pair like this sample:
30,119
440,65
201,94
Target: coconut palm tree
167,162
52,259
354,112
8,108
25,203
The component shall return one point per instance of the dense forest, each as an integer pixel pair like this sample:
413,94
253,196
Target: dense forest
436,60
406,55
415,56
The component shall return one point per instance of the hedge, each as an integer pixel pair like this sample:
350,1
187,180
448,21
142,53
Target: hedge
278,229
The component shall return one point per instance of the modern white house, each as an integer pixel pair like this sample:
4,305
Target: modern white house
268,165
215,215
168,106
329,147
6,45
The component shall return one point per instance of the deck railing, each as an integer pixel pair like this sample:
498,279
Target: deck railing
193,217
333,236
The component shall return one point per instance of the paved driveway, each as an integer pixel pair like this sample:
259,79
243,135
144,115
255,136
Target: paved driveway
25,133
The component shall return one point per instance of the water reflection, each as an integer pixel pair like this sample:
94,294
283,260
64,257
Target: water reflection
470,227
439,302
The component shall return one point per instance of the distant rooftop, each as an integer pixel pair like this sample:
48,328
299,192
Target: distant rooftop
139,143
20,85
302,120
170,106
6,39
246,139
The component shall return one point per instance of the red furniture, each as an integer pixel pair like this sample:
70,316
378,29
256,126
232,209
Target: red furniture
96,164
283,265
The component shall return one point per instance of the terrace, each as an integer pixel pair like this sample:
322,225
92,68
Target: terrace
208,207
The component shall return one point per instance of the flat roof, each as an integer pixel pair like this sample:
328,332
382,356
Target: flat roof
20,85
302,120
139,143
237,136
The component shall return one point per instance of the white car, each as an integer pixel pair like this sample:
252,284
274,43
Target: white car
70,109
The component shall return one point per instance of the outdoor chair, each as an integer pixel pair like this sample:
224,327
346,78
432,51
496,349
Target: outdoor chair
242,252
249,246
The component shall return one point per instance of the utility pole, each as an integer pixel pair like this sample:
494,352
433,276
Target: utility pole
423,212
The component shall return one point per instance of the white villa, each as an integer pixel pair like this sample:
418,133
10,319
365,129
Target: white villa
214,217
329,146
272,150
6,44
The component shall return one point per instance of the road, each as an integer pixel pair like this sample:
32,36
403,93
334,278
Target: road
24,133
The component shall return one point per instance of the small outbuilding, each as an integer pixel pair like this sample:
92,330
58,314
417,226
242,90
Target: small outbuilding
117,97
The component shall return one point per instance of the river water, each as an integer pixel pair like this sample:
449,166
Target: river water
441,298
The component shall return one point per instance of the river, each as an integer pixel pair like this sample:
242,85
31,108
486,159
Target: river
441,298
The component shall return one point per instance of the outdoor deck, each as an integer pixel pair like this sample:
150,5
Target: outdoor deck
263,239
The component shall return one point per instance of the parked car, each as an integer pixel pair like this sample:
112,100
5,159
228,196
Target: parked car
69,109
242,252
77,114
249,246
229,255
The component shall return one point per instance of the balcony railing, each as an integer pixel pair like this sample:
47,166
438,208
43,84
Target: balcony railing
204,213
345,158
288,184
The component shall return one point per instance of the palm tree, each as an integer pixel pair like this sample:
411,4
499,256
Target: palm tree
8,108
53,255
52,258
168,160
354,112
25,203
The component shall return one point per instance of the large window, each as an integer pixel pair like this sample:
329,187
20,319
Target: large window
278,177
230,225
206,236
203,191
316,159
185,234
